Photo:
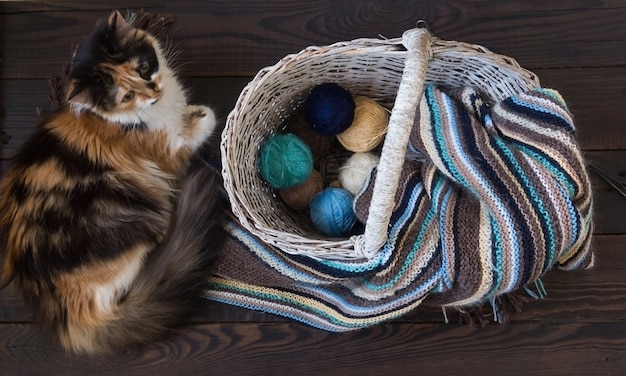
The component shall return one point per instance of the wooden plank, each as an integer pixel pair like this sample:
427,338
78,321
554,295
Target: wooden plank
574,349
609,204
19,103
13,310
596,295
21,98
239,37
575,46
594,96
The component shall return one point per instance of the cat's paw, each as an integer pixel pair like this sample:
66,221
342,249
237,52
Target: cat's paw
200,124
197,111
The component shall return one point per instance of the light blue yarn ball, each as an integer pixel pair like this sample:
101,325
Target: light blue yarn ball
285,161
331,212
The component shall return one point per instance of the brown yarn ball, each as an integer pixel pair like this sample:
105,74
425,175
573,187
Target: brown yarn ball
329,164
368,128
298,197
298,125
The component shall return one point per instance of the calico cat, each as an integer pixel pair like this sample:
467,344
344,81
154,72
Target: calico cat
107,224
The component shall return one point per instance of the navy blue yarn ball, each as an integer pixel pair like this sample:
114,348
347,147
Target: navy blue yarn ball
329,109
331,212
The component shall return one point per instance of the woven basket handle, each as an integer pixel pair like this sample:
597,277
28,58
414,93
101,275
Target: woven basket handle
417,42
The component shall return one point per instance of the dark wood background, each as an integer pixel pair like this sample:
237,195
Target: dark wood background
575,46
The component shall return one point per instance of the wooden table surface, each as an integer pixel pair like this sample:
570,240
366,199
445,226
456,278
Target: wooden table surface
577,47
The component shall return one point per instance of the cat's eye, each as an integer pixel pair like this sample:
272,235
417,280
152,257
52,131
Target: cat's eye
143,68
128,96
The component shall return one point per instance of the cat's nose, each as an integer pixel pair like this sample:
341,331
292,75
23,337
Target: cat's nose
154,89
154,96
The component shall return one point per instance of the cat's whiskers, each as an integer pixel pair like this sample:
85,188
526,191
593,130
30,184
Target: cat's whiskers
169,49
172,53
142,113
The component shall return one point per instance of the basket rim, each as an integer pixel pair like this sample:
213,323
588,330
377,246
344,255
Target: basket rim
339,248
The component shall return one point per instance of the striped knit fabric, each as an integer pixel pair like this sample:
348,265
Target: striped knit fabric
501,197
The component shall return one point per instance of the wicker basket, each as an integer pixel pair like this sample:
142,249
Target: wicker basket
392,72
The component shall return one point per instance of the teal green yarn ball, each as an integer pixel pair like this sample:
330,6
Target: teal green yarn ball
331,212
285,161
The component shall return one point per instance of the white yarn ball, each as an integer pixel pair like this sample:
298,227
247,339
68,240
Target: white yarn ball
354,173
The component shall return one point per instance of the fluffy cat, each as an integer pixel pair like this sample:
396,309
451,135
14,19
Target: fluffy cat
107,225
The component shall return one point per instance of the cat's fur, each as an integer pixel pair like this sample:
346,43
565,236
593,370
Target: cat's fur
108,230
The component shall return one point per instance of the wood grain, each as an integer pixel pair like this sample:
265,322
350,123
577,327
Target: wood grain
609,204
601,131
22,98
595,97
574,46
239,37
291,349
596,295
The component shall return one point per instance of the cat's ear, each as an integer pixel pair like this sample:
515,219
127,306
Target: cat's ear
117,22
76,93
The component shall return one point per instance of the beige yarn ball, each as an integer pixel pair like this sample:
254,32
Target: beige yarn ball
298,197
354,173
368,128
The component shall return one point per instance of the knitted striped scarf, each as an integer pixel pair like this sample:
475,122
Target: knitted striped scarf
500,198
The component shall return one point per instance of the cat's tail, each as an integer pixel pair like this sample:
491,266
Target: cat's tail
166,291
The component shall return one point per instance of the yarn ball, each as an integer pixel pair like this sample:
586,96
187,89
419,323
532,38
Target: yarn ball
329,109
320,145
368,128
353,174
332,213
285,161
298,197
